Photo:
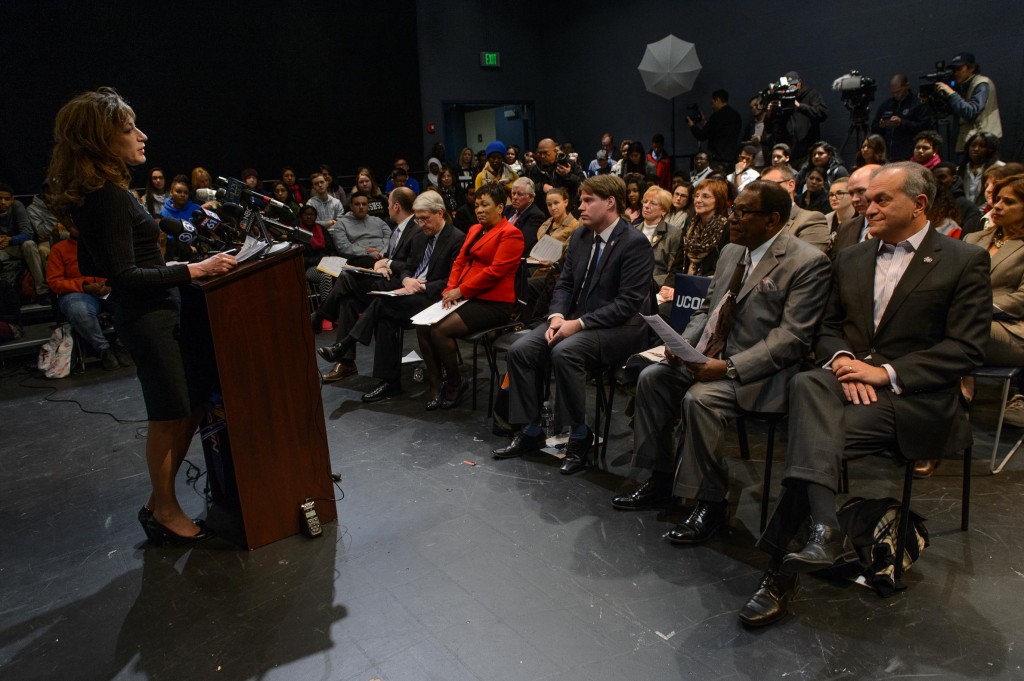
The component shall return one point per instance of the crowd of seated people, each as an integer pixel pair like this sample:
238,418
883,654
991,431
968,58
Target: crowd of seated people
793,257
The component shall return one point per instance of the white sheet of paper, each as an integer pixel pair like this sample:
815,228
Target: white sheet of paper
434,314
251,247
548,248
390,294
673,341
331,265
411,357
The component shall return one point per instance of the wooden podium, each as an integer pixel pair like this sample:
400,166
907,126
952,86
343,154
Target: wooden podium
261,343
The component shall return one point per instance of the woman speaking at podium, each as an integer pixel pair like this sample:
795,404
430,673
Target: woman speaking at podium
95,142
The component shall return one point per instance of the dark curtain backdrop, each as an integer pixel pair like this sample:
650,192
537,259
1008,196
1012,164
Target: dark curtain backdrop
577,61
225,85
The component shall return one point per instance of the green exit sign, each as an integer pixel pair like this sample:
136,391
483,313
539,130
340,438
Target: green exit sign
490,60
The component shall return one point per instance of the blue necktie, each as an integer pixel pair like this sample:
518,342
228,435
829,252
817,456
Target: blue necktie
422,269
392,242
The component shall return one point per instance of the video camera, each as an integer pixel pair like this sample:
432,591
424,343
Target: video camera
927,91
781,94
857,93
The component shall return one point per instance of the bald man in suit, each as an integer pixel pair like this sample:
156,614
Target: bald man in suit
854,230
808,225
902,325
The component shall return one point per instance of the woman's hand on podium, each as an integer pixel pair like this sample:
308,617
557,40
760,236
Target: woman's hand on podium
215,265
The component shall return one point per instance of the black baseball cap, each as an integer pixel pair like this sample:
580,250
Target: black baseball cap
962,59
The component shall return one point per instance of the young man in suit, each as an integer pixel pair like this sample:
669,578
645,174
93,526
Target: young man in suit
776,304
902,325
855,229
593,321
432,252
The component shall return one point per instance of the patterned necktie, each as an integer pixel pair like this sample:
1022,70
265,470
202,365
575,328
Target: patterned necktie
515,216
392,242
421,271
719,324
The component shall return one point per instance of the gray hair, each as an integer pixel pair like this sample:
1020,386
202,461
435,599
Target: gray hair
429,201
917,179
527,184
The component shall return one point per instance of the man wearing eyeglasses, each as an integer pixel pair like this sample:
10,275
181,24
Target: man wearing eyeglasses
756,324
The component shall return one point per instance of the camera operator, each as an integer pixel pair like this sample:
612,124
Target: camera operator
799,126
721,130
900,118
555,169
974,100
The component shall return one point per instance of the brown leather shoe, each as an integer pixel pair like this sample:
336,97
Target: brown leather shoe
924,468
339,371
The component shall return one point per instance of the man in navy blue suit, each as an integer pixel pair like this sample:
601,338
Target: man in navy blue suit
593,321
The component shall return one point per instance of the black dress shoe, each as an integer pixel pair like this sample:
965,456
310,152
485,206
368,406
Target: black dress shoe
145,515
459,394
383,391
521,445
770,603
334,353
702,524
576,454
651,494
826,547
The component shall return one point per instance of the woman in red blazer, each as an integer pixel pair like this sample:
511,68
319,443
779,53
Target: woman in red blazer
483,276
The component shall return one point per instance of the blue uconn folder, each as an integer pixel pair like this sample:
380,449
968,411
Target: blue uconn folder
690,293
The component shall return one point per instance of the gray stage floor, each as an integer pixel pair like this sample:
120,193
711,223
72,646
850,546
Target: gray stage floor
438,569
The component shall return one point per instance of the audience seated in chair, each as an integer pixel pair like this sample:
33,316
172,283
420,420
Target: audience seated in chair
483,277
593,322
425,273
901,327
350,294
755,326
17,241
82,299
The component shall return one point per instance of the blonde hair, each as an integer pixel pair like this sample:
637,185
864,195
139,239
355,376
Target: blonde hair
662,196
82,160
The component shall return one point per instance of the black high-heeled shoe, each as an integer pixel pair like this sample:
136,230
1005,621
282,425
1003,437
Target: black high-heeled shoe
438,400
459,394
158,534
145,515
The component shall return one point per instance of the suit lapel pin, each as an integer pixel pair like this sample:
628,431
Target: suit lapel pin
927,258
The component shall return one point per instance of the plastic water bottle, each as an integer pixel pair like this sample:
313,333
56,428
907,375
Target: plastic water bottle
547,419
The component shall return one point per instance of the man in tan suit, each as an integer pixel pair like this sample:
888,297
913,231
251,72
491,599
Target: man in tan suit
808,225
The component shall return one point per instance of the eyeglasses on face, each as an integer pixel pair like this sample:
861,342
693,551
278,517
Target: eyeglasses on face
740,213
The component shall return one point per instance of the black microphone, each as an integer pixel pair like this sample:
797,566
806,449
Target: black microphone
182,230
232,210
211,222
240,187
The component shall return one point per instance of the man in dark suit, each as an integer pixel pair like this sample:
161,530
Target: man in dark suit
721,131
854,230
809,225
902,325
593,321
350,295
419,285
524,213
779,299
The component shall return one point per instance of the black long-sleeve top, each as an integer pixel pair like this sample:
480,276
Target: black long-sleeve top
118,240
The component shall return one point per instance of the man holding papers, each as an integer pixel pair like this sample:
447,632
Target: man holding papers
433,249
756,324
592,321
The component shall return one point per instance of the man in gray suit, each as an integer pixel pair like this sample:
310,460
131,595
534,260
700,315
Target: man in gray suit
907,316
854,230
779,299
593,321
809,225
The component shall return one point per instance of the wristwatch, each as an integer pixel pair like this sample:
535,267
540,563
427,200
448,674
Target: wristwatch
730,370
